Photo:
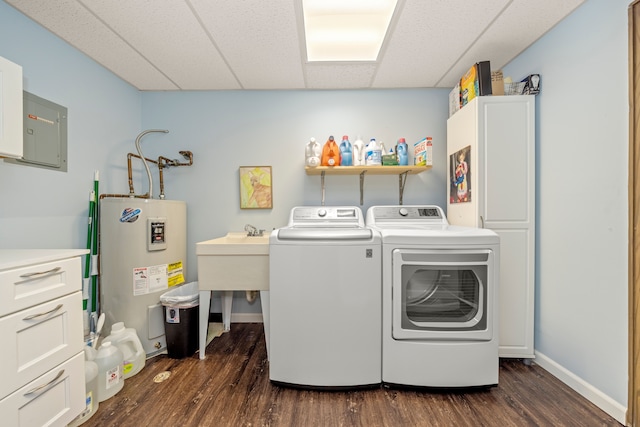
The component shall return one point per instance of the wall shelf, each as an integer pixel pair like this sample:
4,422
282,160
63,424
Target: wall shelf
373,170
401,171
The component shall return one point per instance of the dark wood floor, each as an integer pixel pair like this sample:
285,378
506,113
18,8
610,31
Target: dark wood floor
232,388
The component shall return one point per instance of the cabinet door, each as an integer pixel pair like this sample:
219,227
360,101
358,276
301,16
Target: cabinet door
11,120
28,286
516,293
41,338
53,399
507,163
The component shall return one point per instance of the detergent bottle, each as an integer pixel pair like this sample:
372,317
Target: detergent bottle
109,360
126,339
346,152
312,153
330,153
373,153
358,152
401,152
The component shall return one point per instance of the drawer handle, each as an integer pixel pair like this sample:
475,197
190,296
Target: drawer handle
40,387
35,316
40,273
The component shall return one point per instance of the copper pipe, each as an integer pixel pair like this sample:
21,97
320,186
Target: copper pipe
129,156
123,196
162,162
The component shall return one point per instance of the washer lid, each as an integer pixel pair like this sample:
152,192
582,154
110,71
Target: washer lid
332,233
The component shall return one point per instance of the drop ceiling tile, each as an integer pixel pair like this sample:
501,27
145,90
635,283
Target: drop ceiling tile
342,76
256,44
430,36
259,40
519,26
70,21
167,34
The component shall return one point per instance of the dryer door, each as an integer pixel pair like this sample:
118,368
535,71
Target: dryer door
442,294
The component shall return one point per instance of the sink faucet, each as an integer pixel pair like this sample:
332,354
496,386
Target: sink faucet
253,231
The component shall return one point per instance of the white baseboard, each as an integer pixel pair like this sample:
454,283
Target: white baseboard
246,317
589,392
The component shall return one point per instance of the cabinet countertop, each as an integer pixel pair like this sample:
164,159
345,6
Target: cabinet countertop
14,258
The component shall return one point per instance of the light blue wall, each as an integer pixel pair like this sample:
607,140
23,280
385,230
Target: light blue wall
48,209
582,202
581,315
226,130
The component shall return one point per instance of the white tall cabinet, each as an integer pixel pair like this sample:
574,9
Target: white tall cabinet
11,119
496,135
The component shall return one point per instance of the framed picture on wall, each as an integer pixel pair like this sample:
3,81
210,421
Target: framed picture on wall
460,173
256,187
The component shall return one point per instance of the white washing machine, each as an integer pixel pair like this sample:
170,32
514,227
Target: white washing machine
325,300
439,299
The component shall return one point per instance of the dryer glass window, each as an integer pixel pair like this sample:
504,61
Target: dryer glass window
443,297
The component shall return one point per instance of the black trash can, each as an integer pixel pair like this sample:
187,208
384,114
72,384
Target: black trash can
181,308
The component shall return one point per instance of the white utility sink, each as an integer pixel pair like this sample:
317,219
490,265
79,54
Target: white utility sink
235,262
235,244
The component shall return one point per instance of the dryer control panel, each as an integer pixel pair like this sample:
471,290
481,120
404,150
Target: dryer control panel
415,214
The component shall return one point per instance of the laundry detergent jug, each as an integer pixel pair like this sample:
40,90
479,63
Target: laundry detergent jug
330,153
312,153
358,152
402,152
374,153
346,152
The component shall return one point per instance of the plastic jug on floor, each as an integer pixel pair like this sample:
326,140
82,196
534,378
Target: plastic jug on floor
110,381
91,388
126,339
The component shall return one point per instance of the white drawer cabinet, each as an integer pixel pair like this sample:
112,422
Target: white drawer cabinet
41,330
53,399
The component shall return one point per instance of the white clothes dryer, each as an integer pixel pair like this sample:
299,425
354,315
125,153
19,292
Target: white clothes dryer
325,300
439,299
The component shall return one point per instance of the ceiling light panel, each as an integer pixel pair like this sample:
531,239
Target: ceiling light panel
337,30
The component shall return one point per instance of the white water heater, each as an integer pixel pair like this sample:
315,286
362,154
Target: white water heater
143,252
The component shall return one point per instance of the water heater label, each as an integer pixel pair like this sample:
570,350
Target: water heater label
175,271
150,279
130,215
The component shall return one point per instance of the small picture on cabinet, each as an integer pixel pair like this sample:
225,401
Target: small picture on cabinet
460,173
255,187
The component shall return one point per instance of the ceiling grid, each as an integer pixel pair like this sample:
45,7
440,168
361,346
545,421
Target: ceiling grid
171,45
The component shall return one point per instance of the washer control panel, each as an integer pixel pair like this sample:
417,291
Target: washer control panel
338,215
